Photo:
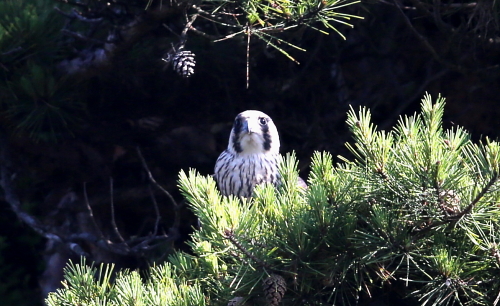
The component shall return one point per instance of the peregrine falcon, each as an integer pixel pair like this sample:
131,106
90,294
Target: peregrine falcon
251,157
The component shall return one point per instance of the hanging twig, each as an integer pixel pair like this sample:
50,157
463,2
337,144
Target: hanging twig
249,34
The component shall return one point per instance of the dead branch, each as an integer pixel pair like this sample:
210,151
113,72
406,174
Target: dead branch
173,231
73,241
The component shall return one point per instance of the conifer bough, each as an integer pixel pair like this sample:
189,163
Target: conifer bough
267,19
415,214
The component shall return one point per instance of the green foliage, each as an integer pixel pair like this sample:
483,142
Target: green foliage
266,19
416,210
33,98
28,28
40,104
89,285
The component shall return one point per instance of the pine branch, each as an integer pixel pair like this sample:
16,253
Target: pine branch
418,233
479,196
377,222
229,234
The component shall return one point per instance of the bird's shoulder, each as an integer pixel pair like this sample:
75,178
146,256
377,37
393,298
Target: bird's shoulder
226,154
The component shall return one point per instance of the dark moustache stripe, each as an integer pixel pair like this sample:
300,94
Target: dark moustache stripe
236,135
267,137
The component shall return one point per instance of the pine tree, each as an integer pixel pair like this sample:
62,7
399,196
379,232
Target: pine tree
51,50
415,213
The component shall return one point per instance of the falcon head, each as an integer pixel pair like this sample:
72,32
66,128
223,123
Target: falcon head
253,133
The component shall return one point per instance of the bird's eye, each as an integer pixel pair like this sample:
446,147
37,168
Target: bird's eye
262,121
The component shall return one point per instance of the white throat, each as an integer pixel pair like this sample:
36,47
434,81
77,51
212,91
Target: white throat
252,144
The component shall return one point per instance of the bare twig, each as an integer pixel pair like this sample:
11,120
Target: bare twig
496,254
205,14
201,33
173,231
495,303
183,35
113,220
420,37
157,211
187,27
101,243
140,243
152,179
89,210
72,241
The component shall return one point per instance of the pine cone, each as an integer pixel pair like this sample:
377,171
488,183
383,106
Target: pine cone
274,289
450,201
184,63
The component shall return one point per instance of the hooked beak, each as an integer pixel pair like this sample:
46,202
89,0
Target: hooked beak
250,128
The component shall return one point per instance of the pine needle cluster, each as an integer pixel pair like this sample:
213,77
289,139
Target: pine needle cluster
414,214
91,285
266,20
34,98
